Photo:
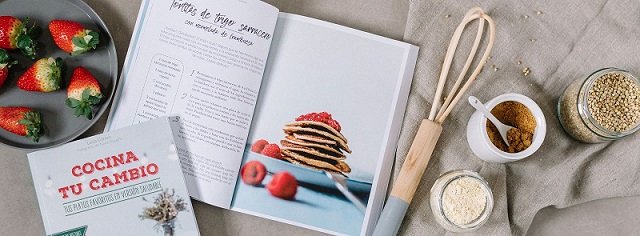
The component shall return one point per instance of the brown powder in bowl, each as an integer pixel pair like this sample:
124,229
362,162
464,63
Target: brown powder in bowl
517,115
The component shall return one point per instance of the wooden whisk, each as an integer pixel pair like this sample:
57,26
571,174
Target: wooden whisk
429,132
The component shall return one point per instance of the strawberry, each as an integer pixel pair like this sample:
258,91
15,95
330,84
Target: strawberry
15,34
83,92
72,37
5,64
42,76
22,121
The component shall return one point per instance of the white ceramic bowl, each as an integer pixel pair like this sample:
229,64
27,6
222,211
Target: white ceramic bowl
479,140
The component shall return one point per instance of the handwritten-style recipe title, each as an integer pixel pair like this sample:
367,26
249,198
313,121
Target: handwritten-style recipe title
218,23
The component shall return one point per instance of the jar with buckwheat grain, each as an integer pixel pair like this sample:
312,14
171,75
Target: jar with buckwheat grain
603,107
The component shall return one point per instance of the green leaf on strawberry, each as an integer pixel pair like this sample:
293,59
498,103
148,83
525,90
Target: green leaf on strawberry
33,123
25,41
95,39
5,60
79,42
83,44
87,112
95,100
4,56
72,102
84,106
86,94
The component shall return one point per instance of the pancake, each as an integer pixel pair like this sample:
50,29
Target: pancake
312,152
313,138
296,129
294,161
317,166
334,165
319,126
290,141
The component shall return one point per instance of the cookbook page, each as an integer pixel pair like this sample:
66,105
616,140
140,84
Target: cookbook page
331,102
203,61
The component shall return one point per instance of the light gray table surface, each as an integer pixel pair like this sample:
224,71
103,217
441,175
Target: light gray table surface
19,213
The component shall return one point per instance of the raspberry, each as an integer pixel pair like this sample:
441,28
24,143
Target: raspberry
259,145
253,173
283,185
323,117
334,124
272,150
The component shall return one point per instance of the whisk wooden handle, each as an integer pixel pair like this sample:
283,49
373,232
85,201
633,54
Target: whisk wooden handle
409,178
417,160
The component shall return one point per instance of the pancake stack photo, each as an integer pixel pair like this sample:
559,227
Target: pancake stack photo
316,145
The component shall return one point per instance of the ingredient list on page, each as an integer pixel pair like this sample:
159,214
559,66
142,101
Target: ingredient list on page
201,61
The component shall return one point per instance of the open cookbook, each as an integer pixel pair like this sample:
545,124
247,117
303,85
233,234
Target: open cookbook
280,116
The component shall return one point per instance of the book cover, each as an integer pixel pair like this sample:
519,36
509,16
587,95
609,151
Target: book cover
125,182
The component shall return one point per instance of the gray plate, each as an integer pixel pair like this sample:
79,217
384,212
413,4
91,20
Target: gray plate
61,125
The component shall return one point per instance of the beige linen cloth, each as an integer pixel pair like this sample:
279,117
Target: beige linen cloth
559,41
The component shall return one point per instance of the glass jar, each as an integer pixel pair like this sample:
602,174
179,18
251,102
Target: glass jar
437,201
576,117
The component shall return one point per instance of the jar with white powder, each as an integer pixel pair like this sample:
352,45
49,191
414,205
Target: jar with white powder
461,201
